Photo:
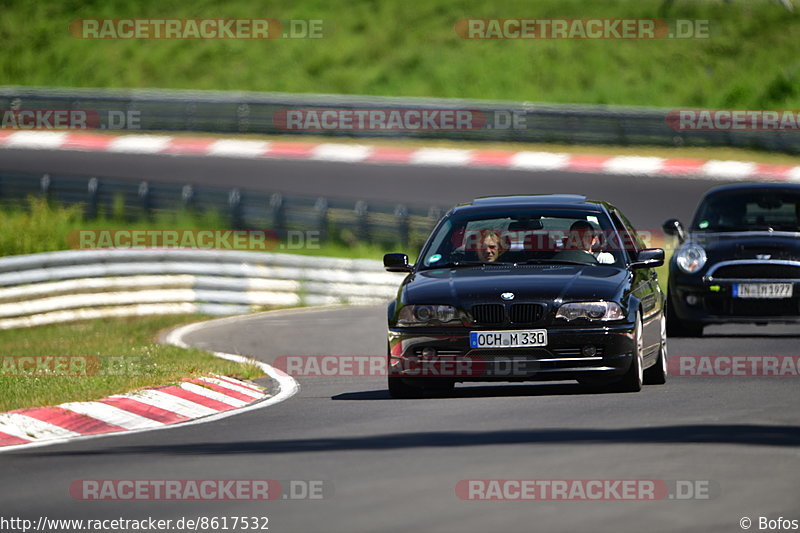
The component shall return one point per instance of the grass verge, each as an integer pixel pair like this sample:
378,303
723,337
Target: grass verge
119,355
39,226
399,48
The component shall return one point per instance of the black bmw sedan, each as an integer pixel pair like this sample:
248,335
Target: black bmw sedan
521,288
739,260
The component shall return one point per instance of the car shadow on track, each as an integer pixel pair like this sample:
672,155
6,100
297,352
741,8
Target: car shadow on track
738,434
483,391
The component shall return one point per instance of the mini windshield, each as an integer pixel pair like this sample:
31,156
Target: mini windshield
749,210
524,236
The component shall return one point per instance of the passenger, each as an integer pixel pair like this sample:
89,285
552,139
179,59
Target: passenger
491,247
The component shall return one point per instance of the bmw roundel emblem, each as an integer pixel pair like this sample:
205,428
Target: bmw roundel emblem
507,296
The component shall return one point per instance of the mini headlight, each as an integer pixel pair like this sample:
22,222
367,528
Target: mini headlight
423,315
691,258
590,310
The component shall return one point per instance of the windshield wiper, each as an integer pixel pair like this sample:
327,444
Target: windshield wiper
461,264
556,262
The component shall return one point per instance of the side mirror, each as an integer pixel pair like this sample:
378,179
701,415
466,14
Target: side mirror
674,227
396,263
649,258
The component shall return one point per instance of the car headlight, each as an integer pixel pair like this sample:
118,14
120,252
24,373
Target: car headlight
691,258
590,310
426,315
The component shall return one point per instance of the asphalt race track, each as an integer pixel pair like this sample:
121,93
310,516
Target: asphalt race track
646,201
393,465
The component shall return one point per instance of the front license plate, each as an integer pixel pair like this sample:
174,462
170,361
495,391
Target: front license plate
508,339
762,290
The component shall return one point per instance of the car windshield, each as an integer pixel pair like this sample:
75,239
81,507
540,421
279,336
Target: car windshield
524,236
749,211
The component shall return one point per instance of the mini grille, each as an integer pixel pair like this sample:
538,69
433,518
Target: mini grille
755,271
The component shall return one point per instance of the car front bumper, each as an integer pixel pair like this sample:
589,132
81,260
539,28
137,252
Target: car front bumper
567,355
710,301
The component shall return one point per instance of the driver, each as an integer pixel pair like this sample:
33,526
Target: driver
582,236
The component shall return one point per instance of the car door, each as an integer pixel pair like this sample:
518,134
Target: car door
644,286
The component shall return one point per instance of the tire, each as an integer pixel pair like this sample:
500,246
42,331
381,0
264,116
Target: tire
657,374
681,328
633,379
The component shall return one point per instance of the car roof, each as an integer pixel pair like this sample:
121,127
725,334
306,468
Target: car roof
553,201
753,186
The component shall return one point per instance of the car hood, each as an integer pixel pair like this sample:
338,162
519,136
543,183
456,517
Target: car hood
749,245
463,287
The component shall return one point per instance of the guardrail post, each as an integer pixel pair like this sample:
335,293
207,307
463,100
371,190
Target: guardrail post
91,201
145,198
235,205
278,208
321,207
187,196
401,214
45,185
362,221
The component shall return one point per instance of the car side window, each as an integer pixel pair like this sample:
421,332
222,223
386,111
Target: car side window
630,243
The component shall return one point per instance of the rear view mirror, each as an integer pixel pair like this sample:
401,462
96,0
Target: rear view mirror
674,227
649,258
396,263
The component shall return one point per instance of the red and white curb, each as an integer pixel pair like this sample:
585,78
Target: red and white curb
357,153
192,401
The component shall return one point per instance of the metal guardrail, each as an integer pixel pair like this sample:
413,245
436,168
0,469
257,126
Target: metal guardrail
55,287
345,221
247,112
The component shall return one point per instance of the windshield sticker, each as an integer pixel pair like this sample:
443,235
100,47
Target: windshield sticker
434,258
703,224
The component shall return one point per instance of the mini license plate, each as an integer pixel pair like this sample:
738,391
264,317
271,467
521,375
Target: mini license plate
762,290
508,339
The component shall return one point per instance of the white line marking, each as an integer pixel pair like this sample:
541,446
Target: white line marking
170,402
26,427
794,174
36,139
139,144
235,148
728,169
341,152
634,165
212,394
111,415
227,384
538,161
440,156
288,387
